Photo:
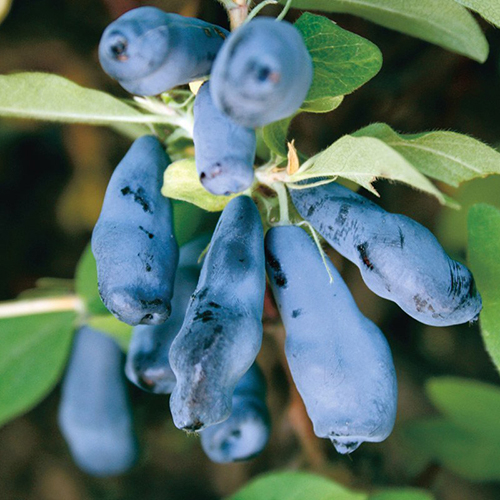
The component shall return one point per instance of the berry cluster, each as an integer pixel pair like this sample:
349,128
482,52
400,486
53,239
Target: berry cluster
198,331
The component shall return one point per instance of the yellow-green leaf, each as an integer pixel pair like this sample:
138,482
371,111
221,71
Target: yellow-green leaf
181,182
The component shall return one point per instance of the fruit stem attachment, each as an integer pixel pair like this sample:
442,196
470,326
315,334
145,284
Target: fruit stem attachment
285,10
237,11
258,8
280,189
16,308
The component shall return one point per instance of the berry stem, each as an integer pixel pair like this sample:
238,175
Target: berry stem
237,10
39,306
283,203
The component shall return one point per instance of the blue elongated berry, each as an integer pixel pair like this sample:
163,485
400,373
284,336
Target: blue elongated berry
246,432
133,240
262,73
94,413
399,259
339,360
224,150
147,363
149,51
222,330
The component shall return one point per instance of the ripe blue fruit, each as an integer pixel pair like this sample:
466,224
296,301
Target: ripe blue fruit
399,259
147,363
262,73
149,51
224,150
246,432
222,330
94,413
133,241
339,360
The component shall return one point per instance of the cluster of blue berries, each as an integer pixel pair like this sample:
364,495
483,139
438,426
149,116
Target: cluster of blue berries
198,328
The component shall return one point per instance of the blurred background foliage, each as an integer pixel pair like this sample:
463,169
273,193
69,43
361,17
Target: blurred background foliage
52,181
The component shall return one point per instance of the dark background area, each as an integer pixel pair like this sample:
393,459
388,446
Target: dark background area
52,180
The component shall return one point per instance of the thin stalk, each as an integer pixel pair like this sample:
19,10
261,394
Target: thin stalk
285,10
283,203
318,244
17,308
258,8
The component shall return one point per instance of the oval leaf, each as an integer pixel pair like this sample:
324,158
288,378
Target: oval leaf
343,61
181,182
446,156
86,283
483,251
442,22
472,405
402,494
294,486
363,160
487,9
465,453
50,97
34,351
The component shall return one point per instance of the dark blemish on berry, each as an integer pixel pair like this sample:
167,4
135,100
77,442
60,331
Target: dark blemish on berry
342,215
148,268
278,274
362,250
220,33
310,211
214,305
154,302
150,235
296,313
401,238
204,316
208,32
420,303
139,197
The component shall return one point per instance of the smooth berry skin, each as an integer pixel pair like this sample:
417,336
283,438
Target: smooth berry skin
147,363
246,432
149,51
262,73
399,259
222,330
95,417
224,150
133,241
340,361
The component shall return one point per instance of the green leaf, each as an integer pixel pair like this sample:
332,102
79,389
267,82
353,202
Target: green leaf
44,96
451,229
471,405
86,283
483,252
343,61
322,105
363,160
294,486
468,454
34,351
402,494
446,156
108,324
181,182
442,22
275,134
487,9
